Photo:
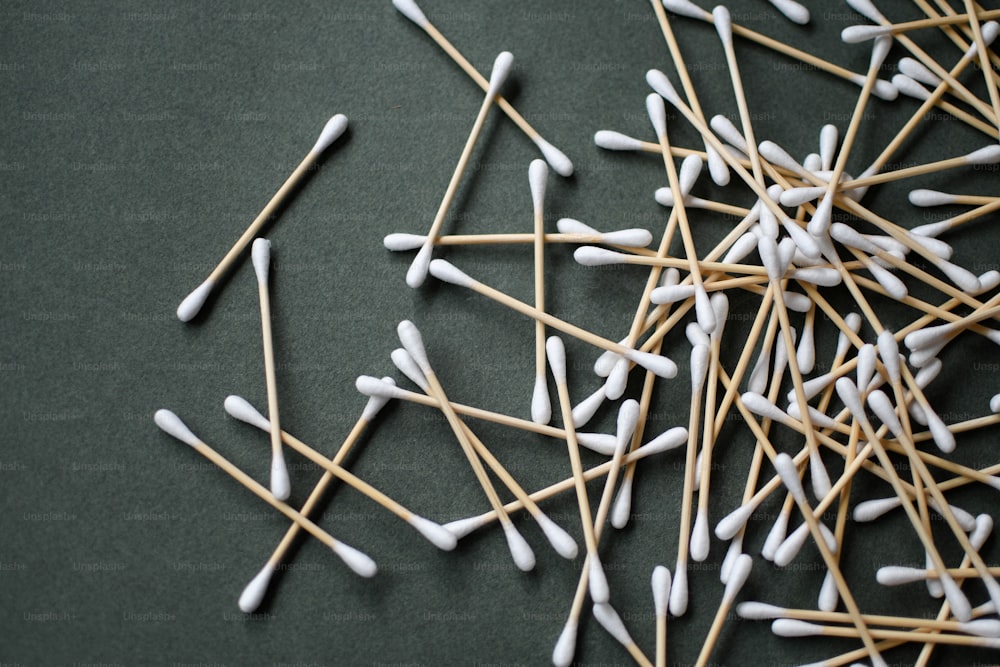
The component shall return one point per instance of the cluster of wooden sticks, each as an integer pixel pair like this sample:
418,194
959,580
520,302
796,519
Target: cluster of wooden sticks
806,257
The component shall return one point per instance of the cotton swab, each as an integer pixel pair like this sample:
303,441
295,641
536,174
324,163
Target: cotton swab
737,578
661,599
254,591
541,406
417,272
624,238
239,408
193,303
261,254
923,197
411,339
354,559
860,33
791,628
556,158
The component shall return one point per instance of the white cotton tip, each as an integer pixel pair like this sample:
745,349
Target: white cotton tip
555,351
880,50
561,541
598,581
720,307
398,242
658,364
788,627
696,485
665,197
893,286
280,484
585,410
661,589
867,9
823,276
759,611
800,196
778,156
781,353
621,510
869,510
734,551
659,82
924,356
240,408
775,537
602,443
434,532
853,322
910,87
865,369
376,403
359,562
855,34
616,141
411,339
700,541
410,10
813,162
742,247
733,522
928,374
193,302
943,438
768,224
571,226
963,278
989,280
923,197
984,526
737,578
449,273
768,250
789,474
657,113
612,622
502,65
888,351
790,548
562,654
717,167
917,70
679,590
538,176
541,406
617,380
812,388
688,174
884,90
804,240
687,8
254,592
172,425
850,237
417,273
984,627
965,520
630,238
462,527
402,360
673,293
995,404
628,418
989,30
888,243
594,256
817,418
560,164
885,411
331,132
792,10
960,607
757,382
760,406
520,551
696,335
261,254
704,311
820,221
376,387
934,587
699,367
829,596
986,155
723,25
669,439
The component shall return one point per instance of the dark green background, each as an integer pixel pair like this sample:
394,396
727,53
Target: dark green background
139,139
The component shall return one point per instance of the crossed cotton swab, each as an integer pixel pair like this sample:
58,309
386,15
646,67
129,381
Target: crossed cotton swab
192,303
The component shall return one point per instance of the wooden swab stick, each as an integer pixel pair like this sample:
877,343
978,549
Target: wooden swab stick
854,34
252,595
987,155
280,486
440,537
541,406
417,272
556,159
354,559
193,302
411,339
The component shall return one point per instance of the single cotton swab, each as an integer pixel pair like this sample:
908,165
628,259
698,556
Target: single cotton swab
541,406
418,269
191,304
354,559
280,486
